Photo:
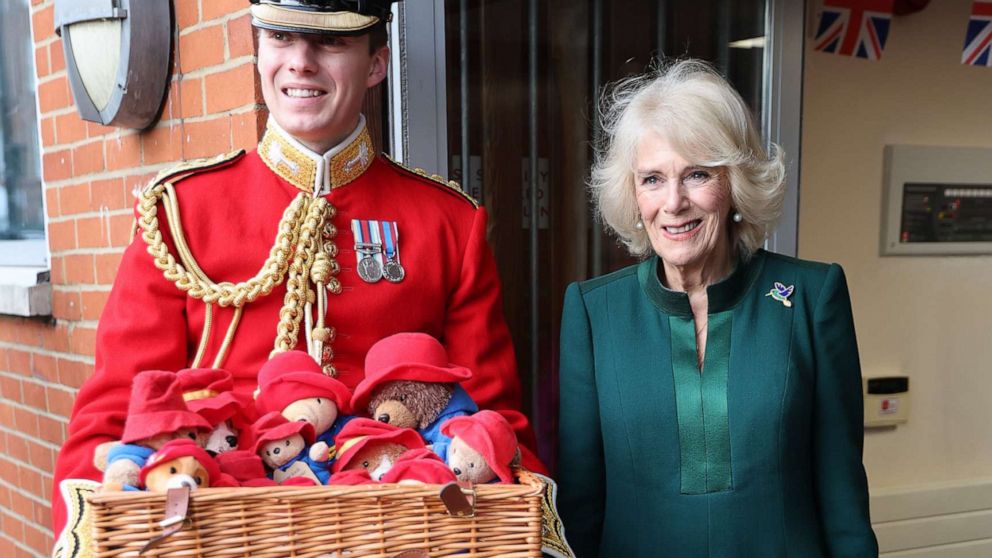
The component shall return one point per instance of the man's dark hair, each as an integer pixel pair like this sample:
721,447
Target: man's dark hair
377,37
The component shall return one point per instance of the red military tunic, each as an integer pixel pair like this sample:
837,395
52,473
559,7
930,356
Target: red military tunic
230,213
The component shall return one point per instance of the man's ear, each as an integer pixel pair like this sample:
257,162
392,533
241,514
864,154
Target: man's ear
379,67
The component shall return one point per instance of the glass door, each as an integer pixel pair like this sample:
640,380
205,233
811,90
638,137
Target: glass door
515,97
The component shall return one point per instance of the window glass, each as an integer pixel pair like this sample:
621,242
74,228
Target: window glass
21,208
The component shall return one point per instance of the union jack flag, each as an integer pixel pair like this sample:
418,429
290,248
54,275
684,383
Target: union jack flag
854,27
978,42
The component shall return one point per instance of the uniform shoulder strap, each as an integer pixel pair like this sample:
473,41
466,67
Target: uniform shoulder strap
186,169
436,179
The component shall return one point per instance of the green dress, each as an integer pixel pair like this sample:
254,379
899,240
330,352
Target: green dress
758,456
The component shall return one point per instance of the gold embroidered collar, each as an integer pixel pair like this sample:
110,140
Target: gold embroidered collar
313,173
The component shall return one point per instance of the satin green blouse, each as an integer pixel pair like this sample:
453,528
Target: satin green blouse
758,456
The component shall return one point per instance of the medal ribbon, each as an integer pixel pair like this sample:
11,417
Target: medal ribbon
388,233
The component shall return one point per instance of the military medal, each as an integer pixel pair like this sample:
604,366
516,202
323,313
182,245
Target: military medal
392,270
368,249
782,293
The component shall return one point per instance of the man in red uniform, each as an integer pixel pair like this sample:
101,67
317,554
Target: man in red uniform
311,241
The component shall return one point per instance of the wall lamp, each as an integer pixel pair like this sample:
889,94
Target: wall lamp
117,57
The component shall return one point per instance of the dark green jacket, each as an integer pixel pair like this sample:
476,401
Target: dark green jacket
758,456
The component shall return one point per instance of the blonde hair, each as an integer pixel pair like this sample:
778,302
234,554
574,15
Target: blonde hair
707,122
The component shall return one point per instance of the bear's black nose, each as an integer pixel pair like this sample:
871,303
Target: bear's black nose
276,451
232,441
457,471
384,417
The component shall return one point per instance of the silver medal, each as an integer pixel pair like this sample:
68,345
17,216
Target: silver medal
369,269
393,271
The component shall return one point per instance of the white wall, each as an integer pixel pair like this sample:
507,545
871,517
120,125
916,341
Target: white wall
926,317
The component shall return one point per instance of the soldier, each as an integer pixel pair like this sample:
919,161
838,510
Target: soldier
313,241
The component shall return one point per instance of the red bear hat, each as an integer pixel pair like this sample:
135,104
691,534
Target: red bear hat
351,477
209,392
245,467
406,356
273,426
490,434
295,375
359,432
157,407
421,465
182,447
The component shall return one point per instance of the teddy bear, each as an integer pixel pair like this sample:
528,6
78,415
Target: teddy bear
293,384
373,446
178,463
483,448
282,445
156,414
419,466
209,392
409,383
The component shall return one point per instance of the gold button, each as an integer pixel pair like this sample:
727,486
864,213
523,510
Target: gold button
334,285
331,249
330,231
331,211
332,334
335,267
326,354
330,370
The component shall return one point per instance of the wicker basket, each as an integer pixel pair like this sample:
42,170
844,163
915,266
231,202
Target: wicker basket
377,521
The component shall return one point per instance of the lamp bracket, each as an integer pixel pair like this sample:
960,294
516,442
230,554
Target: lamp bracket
77,11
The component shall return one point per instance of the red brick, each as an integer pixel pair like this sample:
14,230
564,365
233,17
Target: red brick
57,56
55,339
207,138
73,373
54,95
82,340
52,202
41,65
48,131
17,446
124,152
43,514
19,362
120,230
31,481
43,367
61,235
93,303
10,388
41,456
230,89
34,395
74,198
240,37
108,194
190,97
106,267
95,129
57,165
93,232
70,128
43,23
11,525
59,402
79,269
246,129
7,418
66,305
88,159
34,537
7,547
162,144
26,422
21,505
51,430
187,13
219,8
4,490
201,48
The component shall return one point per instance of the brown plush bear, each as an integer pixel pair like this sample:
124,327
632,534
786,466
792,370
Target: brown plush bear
409,383
180,463
484,448
373,446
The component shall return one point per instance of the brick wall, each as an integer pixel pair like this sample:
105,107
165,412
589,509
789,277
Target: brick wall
90,174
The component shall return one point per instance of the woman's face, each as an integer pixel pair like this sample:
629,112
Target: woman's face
684,206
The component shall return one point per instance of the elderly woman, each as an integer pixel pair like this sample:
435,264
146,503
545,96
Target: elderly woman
710,395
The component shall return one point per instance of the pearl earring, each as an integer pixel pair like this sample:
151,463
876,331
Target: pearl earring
738,217
639,226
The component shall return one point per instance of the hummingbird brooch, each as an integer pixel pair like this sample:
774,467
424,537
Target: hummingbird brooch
782,293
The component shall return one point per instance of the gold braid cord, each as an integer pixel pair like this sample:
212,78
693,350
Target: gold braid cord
297,241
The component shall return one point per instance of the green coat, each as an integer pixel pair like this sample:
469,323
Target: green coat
759,456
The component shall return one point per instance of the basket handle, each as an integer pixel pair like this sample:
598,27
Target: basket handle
176,508
459,499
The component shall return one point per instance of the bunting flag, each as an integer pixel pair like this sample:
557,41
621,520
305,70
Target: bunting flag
854,27
978,41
